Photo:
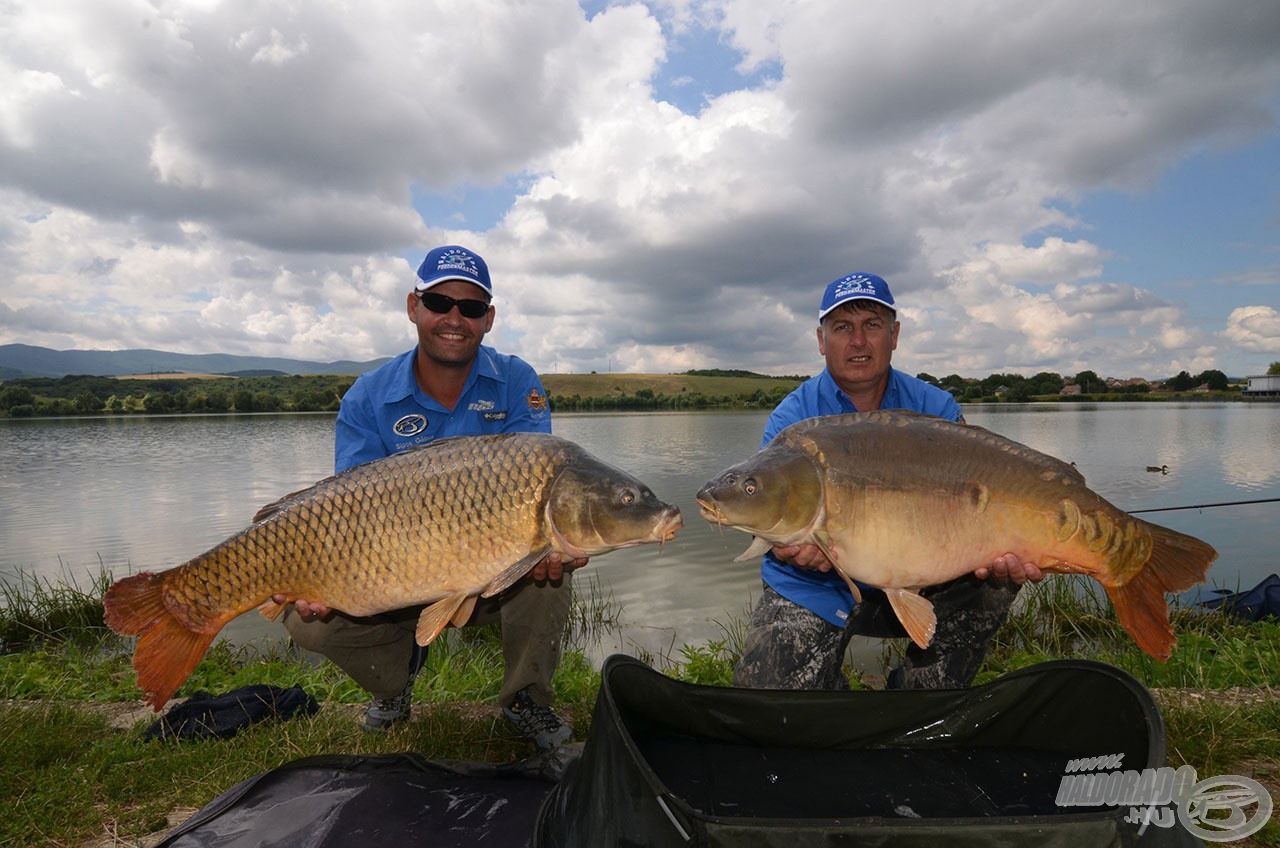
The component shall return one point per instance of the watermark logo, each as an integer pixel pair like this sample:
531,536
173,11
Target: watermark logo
1218,809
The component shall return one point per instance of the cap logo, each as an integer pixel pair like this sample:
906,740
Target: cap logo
855,284
457,260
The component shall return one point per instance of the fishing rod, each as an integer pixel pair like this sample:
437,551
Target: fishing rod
1203,506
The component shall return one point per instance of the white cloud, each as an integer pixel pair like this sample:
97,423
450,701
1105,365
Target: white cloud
1255,328
238,176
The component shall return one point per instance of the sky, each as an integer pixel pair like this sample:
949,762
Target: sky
656,186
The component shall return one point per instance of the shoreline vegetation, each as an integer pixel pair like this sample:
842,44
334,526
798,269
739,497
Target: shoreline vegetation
81,773
185,394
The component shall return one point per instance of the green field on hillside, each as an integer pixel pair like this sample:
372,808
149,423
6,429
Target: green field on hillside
617,385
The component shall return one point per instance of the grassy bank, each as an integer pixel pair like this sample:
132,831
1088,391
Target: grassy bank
80,772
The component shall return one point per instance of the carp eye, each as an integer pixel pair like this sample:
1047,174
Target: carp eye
628,497
749,486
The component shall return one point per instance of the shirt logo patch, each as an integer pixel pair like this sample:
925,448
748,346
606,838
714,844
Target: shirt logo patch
537,401
494,416
480,406
410,425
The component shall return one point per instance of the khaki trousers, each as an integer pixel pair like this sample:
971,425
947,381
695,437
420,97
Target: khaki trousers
376,651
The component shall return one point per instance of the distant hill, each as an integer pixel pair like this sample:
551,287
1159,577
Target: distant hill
19,361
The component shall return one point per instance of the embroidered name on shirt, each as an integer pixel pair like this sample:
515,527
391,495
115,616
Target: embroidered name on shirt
494,416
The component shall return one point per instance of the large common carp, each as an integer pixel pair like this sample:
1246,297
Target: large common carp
441,525
902,501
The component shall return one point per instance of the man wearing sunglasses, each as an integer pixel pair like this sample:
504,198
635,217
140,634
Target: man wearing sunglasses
448,385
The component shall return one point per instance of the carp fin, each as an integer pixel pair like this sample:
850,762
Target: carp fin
853,587
436,617
270,610
463,614
823,541
1177,562
759,547
514,572
915,613
280,503
167,650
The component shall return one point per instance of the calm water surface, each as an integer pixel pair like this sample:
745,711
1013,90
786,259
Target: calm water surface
149,493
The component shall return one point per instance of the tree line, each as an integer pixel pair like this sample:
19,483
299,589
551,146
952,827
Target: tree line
1016,388
87,395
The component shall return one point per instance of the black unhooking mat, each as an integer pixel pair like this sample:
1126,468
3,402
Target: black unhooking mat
336,801
674,764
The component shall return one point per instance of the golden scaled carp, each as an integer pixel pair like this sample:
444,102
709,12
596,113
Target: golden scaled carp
901,501
443,524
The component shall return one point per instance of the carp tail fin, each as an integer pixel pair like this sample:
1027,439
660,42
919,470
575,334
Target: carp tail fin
167,650
1144,614
1177,563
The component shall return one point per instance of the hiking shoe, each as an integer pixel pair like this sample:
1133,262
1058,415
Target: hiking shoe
382,713
537,723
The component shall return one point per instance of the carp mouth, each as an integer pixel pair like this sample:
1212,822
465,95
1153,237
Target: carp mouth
663,531
711,511
667,527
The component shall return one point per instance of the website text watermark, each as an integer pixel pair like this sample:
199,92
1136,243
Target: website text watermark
1218,809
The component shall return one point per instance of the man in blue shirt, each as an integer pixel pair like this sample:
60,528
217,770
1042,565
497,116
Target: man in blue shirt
806,615
449,385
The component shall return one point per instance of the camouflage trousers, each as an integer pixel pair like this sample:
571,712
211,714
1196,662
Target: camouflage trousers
789,647
380,652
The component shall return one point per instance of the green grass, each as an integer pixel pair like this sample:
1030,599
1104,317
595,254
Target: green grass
72,777
615,385
35,609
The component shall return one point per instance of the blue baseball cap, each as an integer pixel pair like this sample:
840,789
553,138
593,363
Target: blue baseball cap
855,287
452,262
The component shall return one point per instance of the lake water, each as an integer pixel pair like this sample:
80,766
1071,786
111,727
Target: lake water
146,493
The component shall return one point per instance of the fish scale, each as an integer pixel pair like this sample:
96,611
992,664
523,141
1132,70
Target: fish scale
434,525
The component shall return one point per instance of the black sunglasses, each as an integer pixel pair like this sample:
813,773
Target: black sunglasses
442,303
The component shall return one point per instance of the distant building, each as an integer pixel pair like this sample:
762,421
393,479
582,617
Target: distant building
1263,385
1072,389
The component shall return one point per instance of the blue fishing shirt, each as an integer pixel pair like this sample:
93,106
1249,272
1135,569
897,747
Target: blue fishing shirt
825,593
385,412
